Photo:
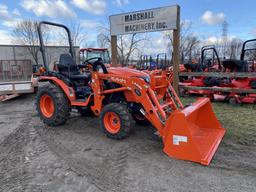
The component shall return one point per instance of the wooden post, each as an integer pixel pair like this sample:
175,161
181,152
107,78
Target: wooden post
176,53
114,50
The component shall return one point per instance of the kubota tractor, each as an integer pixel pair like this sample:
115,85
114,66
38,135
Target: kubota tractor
117,95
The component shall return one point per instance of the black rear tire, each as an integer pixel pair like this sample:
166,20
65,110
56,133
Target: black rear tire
140,119
182,92
233,101
61,105
124,118
253,84
211,97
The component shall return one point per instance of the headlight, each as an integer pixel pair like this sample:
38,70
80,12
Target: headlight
146,79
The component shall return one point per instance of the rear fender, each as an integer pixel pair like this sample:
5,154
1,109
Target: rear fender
69,91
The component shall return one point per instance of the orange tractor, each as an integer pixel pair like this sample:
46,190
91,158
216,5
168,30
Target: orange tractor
117,95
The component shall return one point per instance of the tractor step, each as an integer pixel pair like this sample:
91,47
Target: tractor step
81,102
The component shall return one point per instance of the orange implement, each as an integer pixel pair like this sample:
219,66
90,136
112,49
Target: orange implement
193,133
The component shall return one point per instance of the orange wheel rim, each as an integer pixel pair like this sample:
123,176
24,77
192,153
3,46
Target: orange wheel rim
112,122
47,106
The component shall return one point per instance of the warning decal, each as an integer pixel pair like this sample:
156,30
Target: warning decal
178,138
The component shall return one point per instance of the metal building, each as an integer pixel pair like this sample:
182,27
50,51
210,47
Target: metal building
16,61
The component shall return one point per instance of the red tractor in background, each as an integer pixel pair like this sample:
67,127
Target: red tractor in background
88,53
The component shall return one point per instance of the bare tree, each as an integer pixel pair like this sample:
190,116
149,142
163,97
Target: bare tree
77,31
234,48
103,37
188,41
25,33
101,40
189,46
126,44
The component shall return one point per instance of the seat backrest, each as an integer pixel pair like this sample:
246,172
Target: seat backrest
194,67
67,63
235,65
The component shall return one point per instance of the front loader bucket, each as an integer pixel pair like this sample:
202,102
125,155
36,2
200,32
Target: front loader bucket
193,133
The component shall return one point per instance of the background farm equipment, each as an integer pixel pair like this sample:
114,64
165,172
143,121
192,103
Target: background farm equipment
146,62
241,65
116,94
205,64
232,84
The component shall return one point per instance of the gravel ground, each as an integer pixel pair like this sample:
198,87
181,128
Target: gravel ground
78,157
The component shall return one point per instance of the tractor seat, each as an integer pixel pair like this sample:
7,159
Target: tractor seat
194,67
67,63
80,77
235,65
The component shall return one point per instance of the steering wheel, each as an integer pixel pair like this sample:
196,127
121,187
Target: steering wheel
98,62
88,61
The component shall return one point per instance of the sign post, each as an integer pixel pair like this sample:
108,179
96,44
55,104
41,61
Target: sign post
114,50
150,20
176,53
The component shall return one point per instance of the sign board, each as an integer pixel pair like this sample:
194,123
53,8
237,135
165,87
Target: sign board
149,20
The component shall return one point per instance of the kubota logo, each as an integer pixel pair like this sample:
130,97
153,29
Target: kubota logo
137,85
120,80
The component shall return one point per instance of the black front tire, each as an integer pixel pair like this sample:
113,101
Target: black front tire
61,105
85,112
233,101
125,119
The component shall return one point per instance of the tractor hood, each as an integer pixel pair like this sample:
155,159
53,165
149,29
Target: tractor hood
127,72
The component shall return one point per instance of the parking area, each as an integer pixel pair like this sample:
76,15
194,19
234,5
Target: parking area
78,157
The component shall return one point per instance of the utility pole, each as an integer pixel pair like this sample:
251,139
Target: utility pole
224,37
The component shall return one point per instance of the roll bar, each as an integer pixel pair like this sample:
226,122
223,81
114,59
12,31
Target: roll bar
42,47
210,47
158,59
244,50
